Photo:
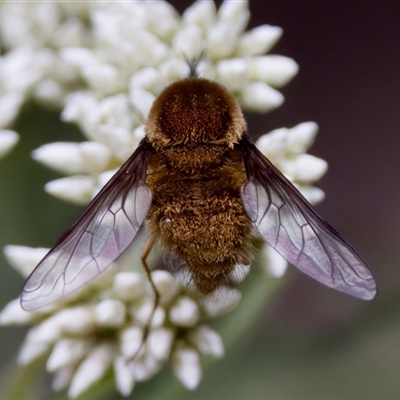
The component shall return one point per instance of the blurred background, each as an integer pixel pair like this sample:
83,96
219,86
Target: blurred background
309,342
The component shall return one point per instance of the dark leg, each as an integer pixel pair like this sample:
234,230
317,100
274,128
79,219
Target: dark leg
145,253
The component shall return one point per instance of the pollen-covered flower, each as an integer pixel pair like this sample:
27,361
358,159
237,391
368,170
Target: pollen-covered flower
103,64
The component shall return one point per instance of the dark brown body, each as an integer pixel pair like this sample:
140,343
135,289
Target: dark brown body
201,219
196,171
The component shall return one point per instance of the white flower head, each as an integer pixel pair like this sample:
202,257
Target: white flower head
106,327
103,64
107,74
286,147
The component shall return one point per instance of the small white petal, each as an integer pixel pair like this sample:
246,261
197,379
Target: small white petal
149,79
128,285
258,96
60,156
275,70
14,314
206,70
67,352
70,32
77,189
74,158
173,69
82,108
124,376
131,339
10,105
14,31
166,285
274,264
107,25
117,139
274,144
31,351
189,41
91,369
141,313
47,17
186,366
49,330
141,99
258,41
164,19
54,68
184,312
235,13
153,50
146,367
110,313
77,320
312,194
233,73
105,177
39,340
116,111
202,13
302,137
96,156
102,78
78,56
158,317
221,41
159,343
21,69
24,259
207,341
304,167
221,301
50,92
8,139
62,378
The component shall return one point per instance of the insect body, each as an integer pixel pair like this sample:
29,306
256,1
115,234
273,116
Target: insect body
200,188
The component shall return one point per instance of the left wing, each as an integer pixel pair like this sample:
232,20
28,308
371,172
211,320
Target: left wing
104,231
289,224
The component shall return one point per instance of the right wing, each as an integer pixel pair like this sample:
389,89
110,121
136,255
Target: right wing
95,241
291,226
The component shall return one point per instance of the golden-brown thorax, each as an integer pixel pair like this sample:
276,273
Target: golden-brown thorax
195,111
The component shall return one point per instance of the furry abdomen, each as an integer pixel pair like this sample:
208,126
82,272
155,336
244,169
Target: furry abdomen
200,218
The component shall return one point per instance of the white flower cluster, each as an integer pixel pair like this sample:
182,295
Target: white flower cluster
286,149
106,74
103,64
83,339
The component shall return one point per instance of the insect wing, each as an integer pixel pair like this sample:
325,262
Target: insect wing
289,224
104,231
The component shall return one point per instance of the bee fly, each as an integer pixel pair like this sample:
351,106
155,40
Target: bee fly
202,189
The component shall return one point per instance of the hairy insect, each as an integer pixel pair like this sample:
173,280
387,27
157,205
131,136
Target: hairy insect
199,186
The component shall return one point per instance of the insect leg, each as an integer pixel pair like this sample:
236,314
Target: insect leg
145,253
